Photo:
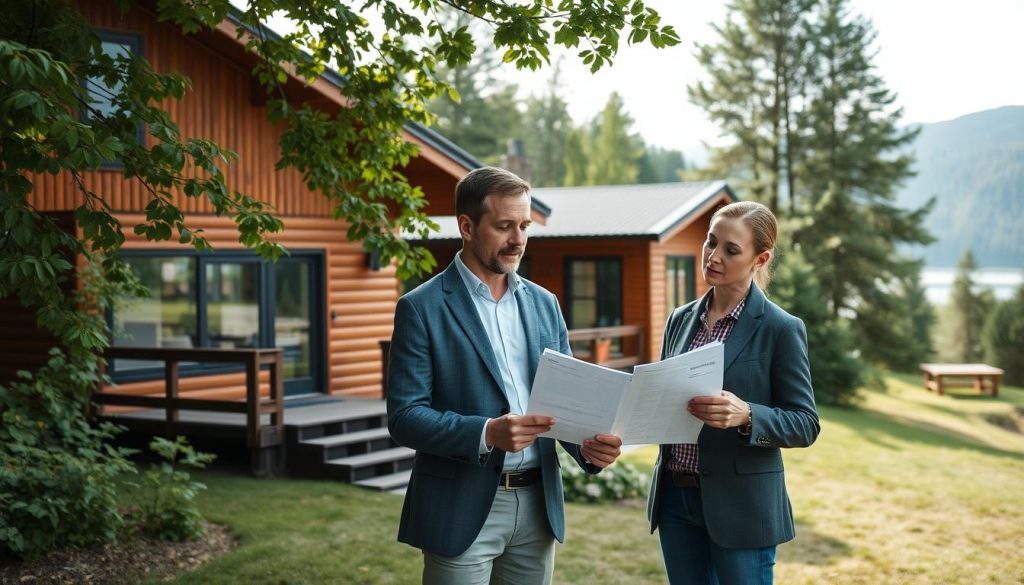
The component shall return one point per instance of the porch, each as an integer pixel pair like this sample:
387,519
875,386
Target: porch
313,436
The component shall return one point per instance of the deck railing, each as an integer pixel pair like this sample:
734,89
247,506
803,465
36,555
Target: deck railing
259,436
601,348
614,347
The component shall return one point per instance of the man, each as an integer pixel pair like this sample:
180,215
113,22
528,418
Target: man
484,502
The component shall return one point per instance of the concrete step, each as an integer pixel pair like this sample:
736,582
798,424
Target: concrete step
345,444
388,483
324,420
358,467
348,438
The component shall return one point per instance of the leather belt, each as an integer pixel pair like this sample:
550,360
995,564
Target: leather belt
685,479
519,479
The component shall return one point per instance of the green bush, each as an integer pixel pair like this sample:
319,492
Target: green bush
619,481
166,500
58,473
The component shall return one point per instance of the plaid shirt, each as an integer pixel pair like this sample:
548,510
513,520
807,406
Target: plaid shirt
684,457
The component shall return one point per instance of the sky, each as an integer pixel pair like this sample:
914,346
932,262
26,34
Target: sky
943,58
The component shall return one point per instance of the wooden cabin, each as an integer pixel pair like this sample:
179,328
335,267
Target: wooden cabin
619,258
326,308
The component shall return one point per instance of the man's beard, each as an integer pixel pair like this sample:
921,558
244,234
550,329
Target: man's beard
495,265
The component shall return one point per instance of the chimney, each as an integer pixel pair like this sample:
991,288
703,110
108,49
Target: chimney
515,159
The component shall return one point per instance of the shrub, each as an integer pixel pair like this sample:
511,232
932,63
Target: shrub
167,507
58,474
619,481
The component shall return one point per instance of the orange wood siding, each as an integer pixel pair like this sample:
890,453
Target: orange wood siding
547,268
362,300
220,106
686,242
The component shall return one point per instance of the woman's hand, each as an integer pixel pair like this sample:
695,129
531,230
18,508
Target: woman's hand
721,412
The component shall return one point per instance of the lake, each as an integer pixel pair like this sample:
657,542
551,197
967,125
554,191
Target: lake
938,282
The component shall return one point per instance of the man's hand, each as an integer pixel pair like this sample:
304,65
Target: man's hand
602,450
514,432
721,412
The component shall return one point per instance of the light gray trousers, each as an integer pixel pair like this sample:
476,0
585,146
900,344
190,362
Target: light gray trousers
515,546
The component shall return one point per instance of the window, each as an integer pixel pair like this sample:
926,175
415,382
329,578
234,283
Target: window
228,300
101,94
679,282
594,292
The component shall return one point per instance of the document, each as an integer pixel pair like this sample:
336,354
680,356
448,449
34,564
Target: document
647,406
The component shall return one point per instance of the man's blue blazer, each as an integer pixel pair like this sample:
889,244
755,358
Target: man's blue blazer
443,384
742,484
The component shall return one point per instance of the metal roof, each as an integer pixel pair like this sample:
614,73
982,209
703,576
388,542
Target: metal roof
650,211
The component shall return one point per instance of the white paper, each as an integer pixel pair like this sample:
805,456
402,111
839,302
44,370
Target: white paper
647,406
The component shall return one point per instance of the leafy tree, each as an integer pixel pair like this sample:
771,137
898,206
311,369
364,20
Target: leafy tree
48,125
1003,337
483,112
613,152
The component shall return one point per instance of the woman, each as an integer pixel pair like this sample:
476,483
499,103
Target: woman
721,505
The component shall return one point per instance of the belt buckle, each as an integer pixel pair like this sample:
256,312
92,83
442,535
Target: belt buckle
508,480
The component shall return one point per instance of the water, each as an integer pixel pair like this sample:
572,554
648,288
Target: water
938,282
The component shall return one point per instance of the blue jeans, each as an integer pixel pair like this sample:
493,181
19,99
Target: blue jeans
691,557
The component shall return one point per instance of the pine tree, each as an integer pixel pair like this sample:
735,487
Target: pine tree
969,310
614,152
756,73
1003,338
661,165
835,373
575,157
903,313
547,124
854,157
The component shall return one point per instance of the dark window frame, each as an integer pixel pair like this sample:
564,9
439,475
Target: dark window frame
266,299
569,292
134,42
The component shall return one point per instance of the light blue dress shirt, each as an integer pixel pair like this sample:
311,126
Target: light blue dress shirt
507,337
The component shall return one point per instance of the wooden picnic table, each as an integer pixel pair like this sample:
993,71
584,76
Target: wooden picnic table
937,376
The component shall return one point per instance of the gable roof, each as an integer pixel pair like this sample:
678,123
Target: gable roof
653,211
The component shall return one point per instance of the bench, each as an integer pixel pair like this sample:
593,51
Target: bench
937,377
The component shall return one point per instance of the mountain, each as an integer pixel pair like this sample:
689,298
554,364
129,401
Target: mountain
974,166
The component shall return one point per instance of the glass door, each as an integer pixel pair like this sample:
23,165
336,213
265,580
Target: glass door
297,324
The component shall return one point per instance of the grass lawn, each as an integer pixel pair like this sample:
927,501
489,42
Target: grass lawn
908,488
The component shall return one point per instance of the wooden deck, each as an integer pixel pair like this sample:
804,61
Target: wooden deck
940,376
328,437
